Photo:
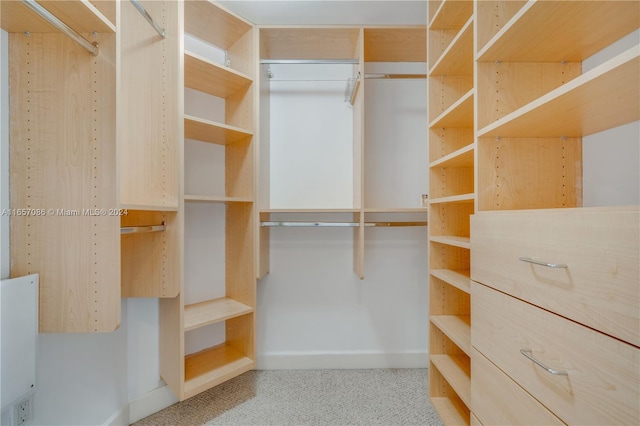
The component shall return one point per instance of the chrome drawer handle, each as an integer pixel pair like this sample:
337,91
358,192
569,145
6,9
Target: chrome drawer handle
528,354
547,264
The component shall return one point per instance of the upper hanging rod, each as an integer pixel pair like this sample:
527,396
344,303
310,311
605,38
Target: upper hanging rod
70,32
311,61
161,31
142,229
272,224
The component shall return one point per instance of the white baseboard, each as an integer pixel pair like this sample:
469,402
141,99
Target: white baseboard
150,403
339,360
120,418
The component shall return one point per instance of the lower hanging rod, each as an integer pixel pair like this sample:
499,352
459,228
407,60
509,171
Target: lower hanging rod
56,22
142,229
310,61
274,224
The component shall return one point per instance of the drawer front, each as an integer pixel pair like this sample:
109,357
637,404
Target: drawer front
498,400
600,247
601,385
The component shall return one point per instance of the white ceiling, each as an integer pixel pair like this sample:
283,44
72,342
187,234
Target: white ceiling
327,12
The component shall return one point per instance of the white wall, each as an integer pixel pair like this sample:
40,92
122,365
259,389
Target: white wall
611,159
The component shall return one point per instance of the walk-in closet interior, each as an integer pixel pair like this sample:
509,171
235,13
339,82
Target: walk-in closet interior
178,152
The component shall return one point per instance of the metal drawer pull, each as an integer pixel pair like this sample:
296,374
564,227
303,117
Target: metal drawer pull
547,264
528,354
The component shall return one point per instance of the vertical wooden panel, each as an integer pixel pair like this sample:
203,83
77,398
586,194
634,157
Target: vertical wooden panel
506,86
240,275
151,261
148,121
171,352
62,148
529,173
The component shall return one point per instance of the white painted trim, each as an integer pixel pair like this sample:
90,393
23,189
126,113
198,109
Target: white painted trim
119,418
341,360
150,403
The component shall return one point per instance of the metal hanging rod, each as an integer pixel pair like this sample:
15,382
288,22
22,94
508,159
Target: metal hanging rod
311,61
275,224
391,224
271,224
377,76
142,229
64,28
161,31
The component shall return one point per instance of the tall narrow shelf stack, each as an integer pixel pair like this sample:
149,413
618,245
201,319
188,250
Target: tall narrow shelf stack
148,145
555,303
208,333
451,95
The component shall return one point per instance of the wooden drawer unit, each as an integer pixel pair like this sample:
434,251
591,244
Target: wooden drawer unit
498,400
592,262
592,378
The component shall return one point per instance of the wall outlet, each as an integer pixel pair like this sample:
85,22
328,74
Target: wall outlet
23,412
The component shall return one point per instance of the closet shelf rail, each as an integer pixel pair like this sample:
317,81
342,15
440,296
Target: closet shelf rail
296,224
64,28
142,229
310,61
380,76
161,31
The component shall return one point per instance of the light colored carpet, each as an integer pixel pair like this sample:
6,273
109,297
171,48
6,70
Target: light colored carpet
309,397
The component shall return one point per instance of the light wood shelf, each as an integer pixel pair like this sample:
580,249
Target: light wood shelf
216,199
395,44
300,42
210,131
206,76
214,24
451,410
81,16
210,367
464,157
149,207
457,328
462,198
457,59
460,114
574,30
451,14
602,98
212,311
460,279
462,242
456,369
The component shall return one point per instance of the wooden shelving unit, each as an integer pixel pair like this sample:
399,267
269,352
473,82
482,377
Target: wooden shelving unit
63,157
452,199
597,100
458,115
456,369
577,29
534,105
212,311
224,145
149,146
383,44
209,131
213,366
